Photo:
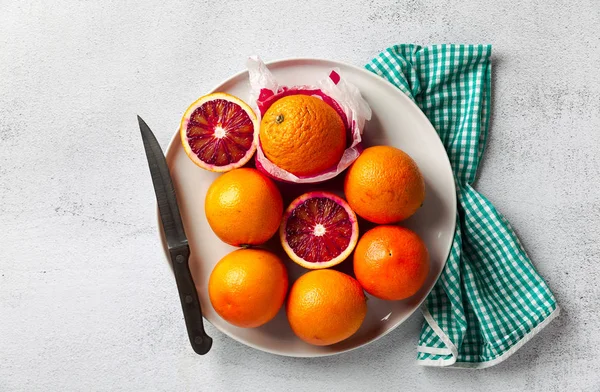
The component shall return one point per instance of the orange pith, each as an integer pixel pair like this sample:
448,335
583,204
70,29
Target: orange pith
219,132
318,230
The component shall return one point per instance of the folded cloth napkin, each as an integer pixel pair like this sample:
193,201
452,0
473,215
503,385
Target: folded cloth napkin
489,300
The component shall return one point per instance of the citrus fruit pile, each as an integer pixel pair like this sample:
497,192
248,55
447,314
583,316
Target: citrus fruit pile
303,135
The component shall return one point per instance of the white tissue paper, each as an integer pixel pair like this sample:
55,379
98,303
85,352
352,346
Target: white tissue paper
343,96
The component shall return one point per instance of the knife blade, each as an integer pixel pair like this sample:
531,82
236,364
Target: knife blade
179,250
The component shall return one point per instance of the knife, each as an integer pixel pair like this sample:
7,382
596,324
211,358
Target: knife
177,242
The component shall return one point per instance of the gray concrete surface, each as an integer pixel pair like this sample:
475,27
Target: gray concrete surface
87,302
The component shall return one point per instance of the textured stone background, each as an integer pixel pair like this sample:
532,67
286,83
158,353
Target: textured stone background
86,299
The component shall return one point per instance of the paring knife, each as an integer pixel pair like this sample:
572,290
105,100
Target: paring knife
177,242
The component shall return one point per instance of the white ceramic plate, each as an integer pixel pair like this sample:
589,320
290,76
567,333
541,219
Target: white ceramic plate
396,121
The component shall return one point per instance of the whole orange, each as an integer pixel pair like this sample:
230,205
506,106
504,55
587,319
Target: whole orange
243,207
325,307
391,262
384,185
302,135
248,287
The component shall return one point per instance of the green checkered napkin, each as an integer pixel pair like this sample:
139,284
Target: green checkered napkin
489,299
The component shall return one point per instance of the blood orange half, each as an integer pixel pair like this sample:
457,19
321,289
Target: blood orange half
219,132
319,230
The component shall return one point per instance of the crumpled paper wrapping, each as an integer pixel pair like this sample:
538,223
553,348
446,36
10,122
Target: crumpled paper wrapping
340,94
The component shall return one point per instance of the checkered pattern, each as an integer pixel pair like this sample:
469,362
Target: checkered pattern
489,299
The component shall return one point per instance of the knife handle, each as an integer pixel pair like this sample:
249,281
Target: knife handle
192,311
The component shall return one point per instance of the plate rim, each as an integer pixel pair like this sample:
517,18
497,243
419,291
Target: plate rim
175,139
